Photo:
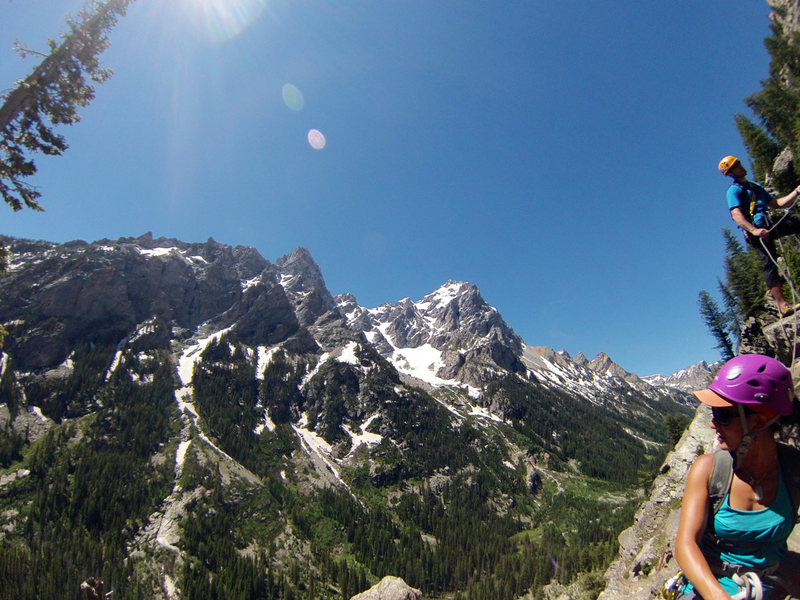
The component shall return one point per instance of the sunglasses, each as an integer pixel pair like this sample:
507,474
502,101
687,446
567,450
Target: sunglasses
725,416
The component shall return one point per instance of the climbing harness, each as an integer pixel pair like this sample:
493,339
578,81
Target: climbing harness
750,586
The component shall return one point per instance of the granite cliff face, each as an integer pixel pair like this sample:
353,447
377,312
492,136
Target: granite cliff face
56,296
645,559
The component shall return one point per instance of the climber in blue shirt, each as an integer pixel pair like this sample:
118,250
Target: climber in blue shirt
749,204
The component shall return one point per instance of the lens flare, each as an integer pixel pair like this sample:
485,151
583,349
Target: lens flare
292,97
223,20
316,140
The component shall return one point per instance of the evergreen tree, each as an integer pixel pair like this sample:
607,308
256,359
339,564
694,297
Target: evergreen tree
761,146
50,96
732,311
742,294
744,278
717,324
777,110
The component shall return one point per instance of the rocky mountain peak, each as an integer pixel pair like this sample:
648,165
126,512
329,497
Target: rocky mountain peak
442,336
299,261
301,278
691,378
601,362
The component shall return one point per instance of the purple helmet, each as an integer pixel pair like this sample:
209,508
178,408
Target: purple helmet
754,380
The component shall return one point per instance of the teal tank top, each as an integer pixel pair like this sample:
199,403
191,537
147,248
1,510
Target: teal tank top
761,533
755,538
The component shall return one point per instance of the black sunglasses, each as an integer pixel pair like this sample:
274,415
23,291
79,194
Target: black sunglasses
725,416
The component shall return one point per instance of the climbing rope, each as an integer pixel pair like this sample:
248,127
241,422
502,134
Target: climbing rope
750,587
786,274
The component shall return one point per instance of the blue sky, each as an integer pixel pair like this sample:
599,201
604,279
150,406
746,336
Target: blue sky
559,154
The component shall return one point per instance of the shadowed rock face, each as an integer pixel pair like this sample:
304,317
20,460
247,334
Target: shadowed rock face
55,296
305,286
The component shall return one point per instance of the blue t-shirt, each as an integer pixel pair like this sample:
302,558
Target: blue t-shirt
752,200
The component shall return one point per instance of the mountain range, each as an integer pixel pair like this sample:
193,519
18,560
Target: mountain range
172,414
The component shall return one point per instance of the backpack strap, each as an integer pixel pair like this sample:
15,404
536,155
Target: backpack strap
750,189
719,484
721,478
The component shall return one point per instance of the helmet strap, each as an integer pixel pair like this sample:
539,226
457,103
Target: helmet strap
747,436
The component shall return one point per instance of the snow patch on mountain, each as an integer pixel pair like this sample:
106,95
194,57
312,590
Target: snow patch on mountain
191,355
316,447
430,338
363,437
264,358
348,354
157,251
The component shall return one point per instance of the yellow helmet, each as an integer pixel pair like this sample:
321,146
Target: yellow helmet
727,163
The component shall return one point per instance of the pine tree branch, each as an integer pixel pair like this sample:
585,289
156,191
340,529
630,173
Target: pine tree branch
50,96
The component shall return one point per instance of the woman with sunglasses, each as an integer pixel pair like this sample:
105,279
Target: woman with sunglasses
733,549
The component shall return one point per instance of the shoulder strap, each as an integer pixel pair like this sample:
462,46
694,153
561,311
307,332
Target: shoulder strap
749,189
789,459
719,482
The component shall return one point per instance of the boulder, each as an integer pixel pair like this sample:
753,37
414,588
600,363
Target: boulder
390,588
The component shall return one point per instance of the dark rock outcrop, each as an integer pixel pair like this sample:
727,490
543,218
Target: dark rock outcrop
99,292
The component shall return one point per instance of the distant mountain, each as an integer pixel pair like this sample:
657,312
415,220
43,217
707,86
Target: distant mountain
451,336
188,419
689,379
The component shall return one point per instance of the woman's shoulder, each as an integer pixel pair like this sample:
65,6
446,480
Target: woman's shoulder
701,468
704,461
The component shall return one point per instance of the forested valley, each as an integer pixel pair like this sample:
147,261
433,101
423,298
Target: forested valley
445,508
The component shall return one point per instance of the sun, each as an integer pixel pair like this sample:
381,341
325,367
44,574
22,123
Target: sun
223,20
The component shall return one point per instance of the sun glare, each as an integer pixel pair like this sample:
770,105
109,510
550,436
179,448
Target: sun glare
223,20
316,139
292,97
